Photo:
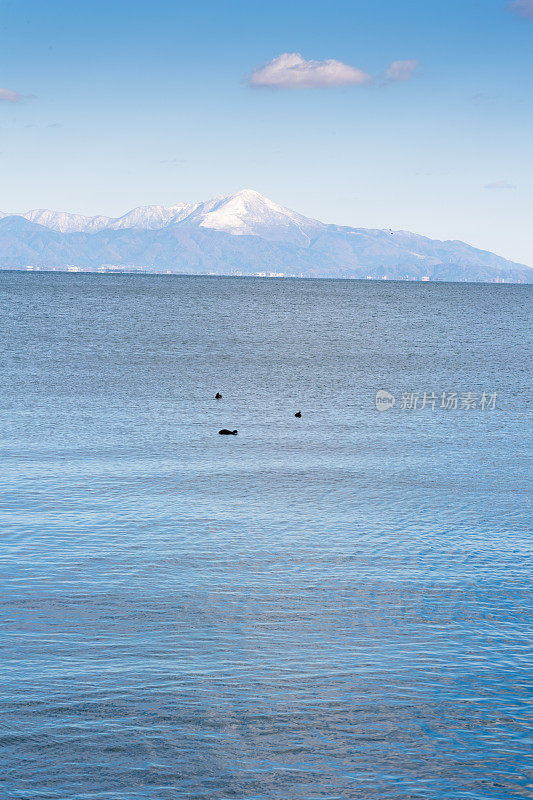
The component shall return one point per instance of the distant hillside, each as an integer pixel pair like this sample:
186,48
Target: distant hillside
244,233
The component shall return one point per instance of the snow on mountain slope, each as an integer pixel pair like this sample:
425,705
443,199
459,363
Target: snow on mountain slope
142,218
151,218
246,213
64,222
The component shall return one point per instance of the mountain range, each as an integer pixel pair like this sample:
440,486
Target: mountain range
244,233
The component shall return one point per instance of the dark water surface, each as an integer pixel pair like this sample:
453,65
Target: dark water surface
331,607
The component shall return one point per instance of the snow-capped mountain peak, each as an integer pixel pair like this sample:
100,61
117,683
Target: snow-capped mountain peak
246,213
236,213
151,217
64,222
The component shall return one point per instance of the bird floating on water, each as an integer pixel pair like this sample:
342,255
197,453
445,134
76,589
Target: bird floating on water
298,414
218,396
225,432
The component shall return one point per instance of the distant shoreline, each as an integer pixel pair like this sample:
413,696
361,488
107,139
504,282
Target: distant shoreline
137,271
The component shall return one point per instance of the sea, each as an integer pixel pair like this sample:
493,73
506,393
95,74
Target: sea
336,606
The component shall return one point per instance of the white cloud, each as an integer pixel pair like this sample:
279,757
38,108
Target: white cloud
500,185
292,71
401,70
9,96
524,8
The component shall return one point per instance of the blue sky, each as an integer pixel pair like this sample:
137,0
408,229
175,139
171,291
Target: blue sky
134,103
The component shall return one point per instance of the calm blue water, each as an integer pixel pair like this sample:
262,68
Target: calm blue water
333,607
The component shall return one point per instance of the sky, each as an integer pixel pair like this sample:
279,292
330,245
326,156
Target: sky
414,115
